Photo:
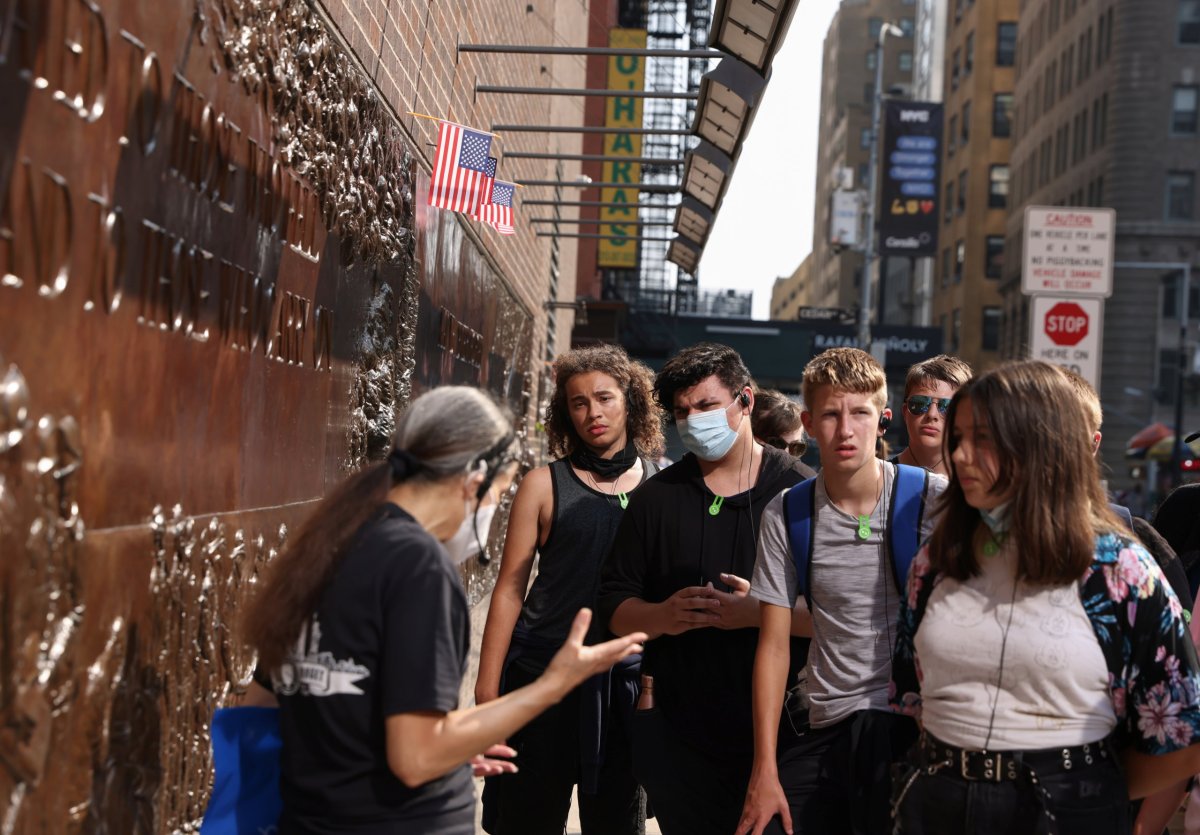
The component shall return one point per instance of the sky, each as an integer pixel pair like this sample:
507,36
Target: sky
764,228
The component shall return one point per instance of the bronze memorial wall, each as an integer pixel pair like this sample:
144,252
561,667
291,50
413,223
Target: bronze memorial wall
216,284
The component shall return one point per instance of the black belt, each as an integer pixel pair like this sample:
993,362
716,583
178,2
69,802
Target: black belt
998,766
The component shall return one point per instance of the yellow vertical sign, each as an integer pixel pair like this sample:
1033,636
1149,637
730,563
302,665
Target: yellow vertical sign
624,73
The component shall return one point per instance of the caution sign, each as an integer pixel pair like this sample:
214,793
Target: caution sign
1068,251
1067,332
624,73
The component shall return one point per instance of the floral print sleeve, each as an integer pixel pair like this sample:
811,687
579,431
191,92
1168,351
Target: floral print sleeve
904,691
1154,673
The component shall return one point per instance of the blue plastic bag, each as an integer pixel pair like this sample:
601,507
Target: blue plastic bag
245,798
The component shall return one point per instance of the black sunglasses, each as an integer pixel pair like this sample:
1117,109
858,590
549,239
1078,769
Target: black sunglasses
918,404
794,448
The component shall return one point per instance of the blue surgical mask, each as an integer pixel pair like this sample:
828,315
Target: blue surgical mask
707,434
996,519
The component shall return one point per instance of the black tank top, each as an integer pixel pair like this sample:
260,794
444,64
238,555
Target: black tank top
582,528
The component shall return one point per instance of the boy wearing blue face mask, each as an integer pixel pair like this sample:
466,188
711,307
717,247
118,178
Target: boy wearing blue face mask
679,568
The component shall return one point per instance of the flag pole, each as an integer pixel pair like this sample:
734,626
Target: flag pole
440,119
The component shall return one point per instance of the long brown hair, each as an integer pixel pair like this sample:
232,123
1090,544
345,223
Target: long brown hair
442,434
643,423
1040,431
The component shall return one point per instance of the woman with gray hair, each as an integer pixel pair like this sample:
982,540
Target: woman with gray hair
363,633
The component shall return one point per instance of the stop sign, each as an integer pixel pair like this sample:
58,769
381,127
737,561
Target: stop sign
1066,323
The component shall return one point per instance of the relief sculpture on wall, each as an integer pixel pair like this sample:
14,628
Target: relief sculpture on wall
217,284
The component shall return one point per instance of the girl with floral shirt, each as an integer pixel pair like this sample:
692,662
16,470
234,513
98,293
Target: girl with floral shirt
1040,647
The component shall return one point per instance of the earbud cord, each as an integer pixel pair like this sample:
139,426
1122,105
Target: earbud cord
1012,605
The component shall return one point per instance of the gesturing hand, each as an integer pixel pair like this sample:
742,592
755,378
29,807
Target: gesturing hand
689,608
738,609
575,663
483,765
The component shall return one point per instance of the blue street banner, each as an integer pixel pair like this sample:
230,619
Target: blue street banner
910,178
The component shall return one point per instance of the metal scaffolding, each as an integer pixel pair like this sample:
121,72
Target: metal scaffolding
682,25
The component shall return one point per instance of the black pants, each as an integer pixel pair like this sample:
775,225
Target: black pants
1089,800
537,799
838,779
692,789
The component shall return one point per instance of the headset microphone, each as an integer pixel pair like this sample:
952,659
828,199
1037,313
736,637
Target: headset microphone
884,422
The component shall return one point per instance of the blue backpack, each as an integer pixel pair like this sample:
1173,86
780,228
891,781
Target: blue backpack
905,513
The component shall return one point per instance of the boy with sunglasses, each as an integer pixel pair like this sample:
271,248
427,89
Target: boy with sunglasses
928,389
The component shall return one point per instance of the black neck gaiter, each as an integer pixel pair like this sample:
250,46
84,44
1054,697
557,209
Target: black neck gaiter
585,459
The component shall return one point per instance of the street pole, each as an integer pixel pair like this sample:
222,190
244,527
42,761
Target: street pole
864,290
1185,286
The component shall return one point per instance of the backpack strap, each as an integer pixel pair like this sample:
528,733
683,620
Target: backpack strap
906,511
799,508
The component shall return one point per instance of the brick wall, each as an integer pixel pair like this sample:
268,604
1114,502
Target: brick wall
409,51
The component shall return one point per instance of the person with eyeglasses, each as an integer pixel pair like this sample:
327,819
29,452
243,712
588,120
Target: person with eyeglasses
775,421
928,389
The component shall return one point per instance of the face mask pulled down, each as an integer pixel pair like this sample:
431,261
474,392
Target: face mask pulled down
707,435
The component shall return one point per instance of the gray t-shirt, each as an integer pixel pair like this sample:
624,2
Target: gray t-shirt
854,598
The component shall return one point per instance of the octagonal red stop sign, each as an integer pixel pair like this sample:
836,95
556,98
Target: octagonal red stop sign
1066,323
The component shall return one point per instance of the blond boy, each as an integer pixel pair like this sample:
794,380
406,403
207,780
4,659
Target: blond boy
836,779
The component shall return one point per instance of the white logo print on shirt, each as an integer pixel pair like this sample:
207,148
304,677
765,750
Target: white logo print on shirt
309,671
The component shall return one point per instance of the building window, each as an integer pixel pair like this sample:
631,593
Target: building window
868,94
1048,85
1184,102
864,139
871,59
1006,43
948,211
955,69
960,258
1181,195
906,64
991,329
1189,21
966,122
952,135
962,192
958,9
956,331
945,274
993,262
969,54
907,27
998,186
1002,107
873,26
1104,120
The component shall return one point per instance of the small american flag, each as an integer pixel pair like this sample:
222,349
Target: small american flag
498,211
462,169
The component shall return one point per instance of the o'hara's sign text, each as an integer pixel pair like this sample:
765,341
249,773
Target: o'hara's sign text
619,220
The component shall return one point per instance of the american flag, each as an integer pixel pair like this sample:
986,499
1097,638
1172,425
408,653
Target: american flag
498,211
462,169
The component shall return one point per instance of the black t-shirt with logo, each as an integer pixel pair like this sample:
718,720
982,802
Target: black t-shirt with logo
391,635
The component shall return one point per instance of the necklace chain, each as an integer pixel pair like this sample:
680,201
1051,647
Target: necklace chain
612,494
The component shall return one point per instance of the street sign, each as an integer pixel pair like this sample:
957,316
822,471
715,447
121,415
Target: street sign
1068,251
845,226
1068,332
824,314
1066,324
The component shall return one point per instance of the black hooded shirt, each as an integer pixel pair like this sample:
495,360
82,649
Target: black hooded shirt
668,540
